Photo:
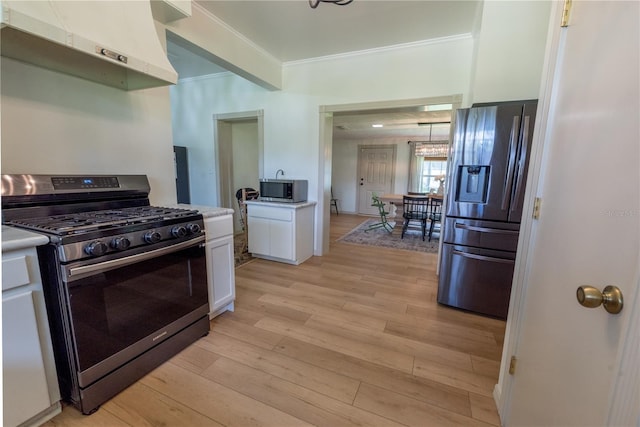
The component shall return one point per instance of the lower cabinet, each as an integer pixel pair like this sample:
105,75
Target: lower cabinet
271,237
281,232
220,264
30,387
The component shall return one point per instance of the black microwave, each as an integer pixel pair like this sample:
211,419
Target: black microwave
283,190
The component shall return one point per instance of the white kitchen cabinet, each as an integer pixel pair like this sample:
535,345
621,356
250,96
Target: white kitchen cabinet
220,264
281,231
30,387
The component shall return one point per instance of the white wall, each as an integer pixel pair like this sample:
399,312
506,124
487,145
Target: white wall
292,116
511,47
57,124
194,102
244,138
75,126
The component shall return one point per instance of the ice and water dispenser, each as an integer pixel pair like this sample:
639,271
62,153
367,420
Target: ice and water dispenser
473,183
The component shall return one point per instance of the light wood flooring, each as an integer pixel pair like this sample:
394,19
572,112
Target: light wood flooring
353,338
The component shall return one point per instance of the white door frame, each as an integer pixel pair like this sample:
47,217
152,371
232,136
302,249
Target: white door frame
622,407
222,124
326,147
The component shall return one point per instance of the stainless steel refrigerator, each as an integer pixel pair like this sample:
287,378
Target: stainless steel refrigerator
485,193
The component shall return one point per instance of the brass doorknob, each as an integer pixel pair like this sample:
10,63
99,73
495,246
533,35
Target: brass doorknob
610,298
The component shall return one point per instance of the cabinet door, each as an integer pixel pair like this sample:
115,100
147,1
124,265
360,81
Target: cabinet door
259,235
221,268
24,382
282,239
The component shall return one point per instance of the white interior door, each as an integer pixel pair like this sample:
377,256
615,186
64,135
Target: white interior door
376,165
568,356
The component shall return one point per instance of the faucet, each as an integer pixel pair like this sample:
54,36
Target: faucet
279,171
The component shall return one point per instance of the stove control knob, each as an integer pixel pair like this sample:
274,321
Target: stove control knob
120,243
152,237
96,248
193,228
179,231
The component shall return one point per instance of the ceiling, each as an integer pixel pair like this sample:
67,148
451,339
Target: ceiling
291,30
409,123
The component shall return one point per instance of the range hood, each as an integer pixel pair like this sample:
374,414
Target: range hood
109,42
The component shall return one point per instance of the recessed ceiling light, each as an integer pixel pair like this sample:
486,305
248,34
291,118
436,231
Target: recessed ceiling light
377,125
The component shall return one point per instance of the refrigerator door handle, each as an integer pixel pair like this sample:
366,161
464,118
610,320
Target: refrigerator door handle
513,143
484,229
522,158
483,257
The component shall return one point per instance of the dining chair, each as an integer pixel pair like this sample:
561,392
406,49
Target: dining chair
435,214
334,202
415,209
384,223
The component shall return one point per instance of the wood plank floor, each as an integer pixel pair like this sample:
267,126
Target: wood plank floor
353,338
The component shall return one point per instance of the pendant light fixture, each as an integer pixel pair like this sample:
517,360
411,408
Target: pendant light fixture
315,3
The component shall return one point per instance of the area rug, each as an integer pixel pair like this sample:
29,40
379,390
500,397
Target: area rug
380,237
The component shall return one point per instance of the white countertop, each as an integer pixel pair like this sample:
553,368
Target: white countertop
206,211
16,238
281,204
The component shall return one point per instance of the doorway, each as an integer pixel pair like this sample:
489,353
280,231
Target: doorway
239,152
376,169
343,174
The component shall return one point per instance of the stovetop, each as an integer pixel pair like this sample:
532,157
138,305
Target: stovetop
96,218
85,222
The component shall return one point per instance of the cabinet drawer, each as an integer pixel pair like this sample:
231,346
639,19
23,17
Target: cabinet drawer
15,272
218,226
271,213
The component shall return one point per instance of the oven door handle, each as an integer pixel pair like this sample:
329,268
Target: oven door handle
76,273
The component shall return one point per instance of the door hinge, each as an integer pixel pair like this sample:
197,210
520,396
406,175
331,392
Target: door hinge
566,9
536,208
512,365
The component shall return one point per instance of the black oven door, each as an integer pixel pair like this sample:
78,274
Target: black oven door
116,310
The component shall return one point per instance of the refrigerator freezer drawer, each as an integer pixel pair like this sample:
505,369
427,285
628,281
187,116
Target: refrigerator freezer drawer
500,236
477,280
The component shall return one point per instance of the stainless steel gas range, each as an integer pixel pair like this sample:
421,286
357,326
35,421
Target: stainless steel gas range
125,283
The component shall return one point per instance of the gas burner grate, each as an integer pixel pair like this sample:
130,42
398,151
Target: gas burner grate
82,222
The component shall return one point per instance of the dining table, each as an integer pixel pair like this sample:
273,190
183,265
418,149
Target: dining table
395,200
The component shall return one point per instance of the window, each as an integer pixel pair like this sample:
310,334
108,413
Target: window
433,173
434,166
427,166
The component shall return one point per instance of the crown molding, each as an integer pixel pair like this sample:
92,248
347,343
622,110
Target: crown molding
395,47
